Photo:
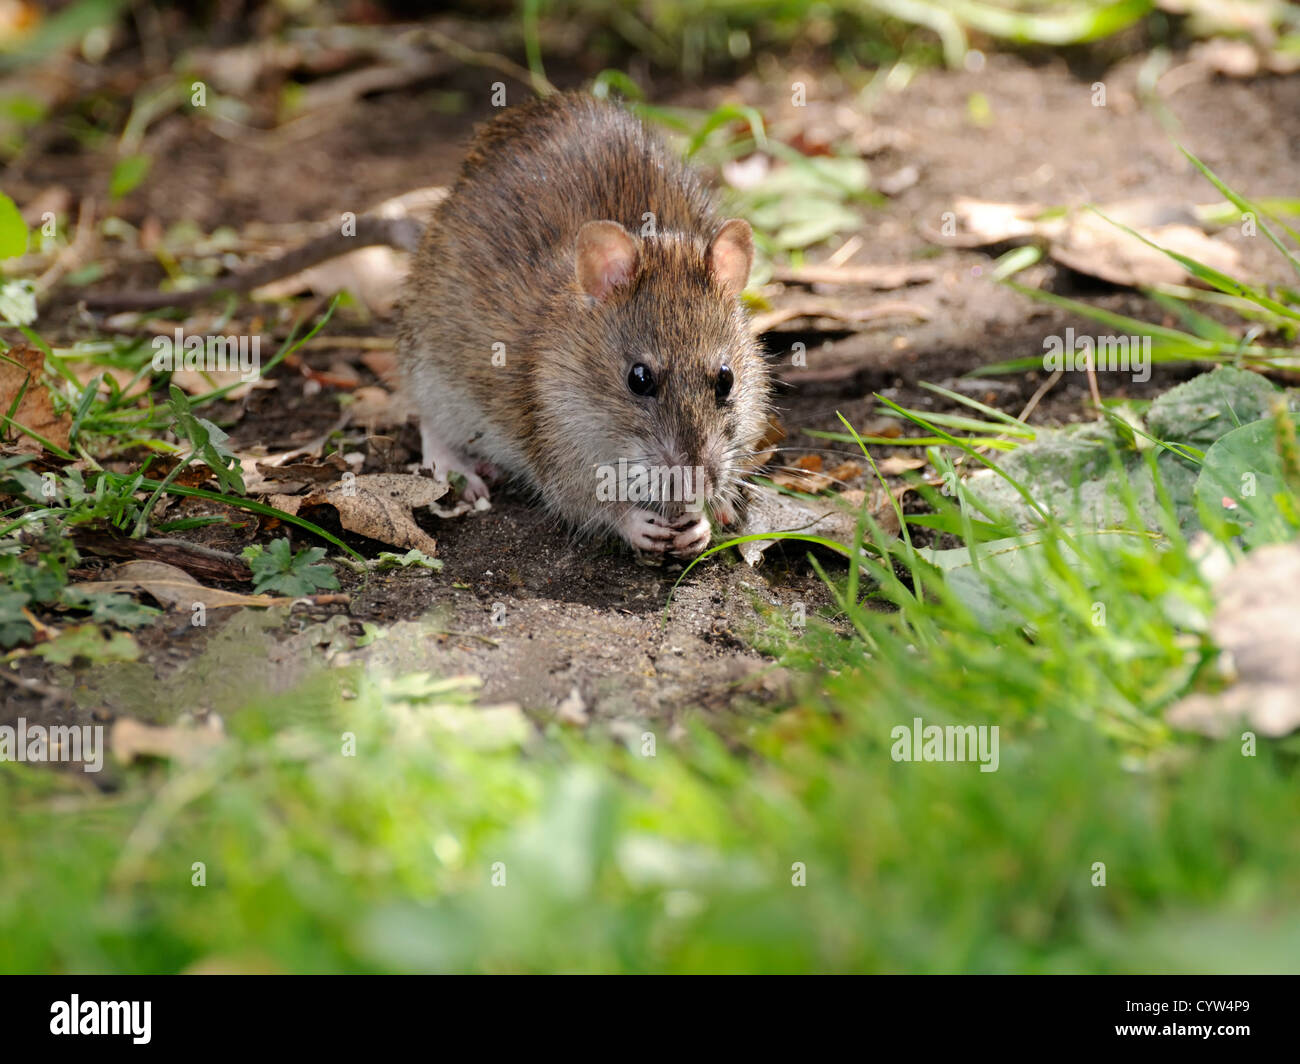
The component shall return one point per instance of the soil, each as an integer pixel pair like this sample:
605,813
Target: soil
518,603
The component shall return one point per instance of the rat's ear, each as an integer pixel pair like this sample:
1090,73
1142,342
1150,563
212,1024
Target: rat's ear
607,258
731,255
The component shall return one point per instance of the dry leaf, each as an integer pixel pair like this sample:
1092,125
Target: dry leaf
1256,625
171,587
379,505
573,710
36,411
897,464
376,409
131,739
809,476
373,274
1089,243
766,449
833,518
833,310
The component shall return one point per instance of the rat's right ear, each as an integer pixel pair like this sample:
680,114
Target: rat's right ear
607,258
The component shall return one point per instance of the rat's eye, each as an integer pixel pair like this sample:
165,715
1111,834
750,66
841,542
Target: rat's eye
641,380
722,387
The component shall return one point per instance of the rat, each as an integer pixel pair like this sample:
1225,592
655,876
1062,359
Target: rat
573,320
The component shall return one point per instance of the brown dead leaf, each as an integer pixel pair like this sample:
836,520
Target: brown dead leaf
1091,245
171,587
1256,626
897,464
21,369
376,409
383,364
373,274
766,449
832,310
132,739
808,474
291,478
834,517
1092,242
878,277
379,505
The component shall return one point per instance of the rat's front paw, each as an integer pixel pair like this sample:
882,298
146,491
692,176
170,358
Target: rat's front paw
691,535
646,530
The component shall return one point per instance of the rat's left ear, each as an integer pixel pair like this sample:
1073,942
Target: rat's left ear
731,255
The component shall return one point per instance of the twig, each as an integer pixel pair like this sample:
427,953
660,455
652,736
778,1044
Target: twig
471,57
72,255
1043,389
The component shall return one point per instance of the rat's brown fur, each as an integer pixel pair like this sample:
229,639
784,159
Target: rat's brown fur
497,267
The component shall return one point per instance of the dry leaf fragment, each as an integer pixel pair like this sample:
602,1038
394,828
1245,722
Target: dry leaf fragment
573,710
1092,242
379,505
833,518
21,367
171,587
897,464
131,739
1256,624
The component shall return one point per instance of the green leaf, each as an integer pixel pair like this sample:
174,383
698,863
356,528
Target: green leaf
90,642
13,230
209,443
14,627
276,569
1242,489
1203,409
127,174
413,557
110,607
18,302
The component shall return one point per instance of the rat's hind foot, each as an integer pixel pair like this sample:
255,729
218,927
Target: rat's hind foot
445,461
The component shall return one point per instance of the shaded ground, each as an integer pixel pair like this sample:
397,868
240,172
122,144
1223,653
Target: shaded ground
518,603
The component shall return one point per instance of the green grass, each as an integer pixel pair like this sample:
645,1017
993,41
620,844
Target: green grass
683,861
372,822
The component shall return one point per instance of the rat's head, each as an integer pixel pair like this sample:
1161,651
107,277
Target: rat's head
683,388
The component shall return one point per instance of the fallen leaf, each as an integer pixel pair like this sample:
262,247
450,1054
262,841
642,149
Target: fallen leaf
373,274
766,449
834,517
573,710
376,409
171,587
1256,625
897,464
132,739
379,505
88,641
810,477
22,367
850,317
1092,242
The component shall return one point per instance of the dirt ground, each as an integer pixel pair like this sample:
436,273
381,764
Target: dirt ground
519,604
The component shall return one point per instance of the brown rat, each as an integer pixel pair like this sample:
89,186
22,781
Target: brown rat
573,318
